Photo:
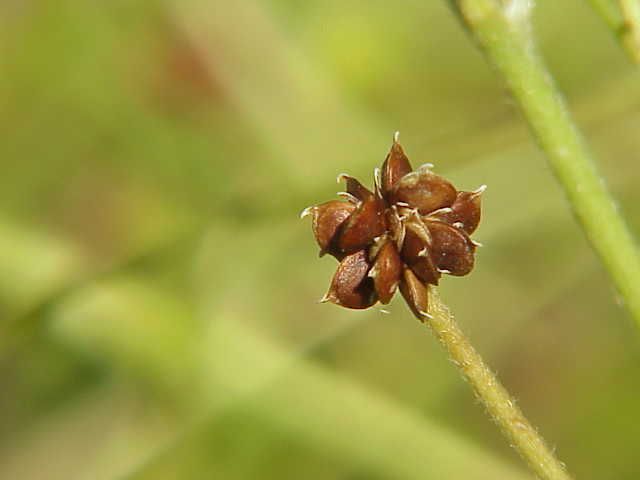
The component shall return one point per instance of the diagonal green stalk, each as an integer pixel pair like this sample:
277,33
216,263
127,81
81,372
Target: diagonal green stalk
503,31
623,19
630,32
502,408
608,11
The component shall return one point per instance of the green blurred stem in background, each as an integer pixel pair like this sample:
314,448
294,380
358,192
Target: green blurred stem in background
630,34
503,30
623,18
499,404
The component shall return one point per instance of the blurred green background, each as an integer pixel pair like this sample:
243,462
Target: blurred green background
158,292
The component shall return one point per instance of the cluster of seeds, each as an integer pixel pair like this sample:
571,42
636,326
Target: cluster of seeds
411,229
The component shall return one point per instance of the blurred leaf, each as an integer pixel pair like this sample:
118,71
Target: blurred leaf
134,327
98,436
33,265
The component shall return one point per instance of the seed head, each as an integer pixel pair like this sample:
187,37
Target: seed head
405,234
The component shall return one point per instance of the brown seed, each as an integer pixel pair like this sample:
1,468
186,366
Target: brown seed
425,191
350,287
466,210
395,166
355,188
415,294
452,248
416,253
386,271
414,222
365,224
327,219
396,226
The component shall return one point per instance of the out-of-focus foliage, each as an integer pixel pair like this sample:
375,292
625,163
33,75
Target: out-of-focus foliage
158,293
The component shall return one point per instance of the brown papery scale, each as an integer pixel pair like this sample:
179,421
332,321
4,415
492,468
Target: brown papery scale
406,233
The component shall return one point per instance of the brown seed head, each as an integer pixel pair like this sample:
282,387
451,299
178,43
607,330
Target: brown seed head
410,230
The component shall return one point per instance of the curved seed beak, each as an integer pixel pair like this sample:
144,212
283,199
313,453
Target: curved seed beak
306,212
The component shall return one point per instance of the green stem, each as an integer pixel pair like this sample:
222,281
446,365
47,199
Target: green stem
499,404
502,28
608,11
623,19
630,32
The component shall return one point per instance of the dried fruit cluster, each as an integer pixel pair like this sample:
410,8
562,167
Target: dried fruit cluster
411,229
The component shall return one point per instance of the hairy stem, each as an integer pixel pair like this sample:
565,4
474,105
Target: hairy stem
501,406
502,28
